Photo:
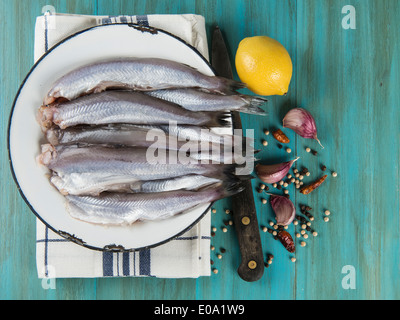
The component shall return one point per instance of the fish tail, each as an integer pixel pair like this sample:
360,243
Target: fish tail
220,171
253,105
218,119
230,188
228,86
246,177
227,187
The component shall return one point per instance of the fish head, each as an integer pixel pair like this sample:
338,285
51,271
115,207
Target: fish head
47,155
45,117
53,96
53,136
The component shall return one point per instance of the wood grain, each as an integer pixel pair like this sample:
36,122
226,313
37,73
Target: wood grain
348,79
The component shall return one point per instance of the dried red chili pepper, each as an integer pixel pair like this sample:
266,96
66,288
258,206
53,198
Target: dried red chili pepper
311,187
286,239
280,136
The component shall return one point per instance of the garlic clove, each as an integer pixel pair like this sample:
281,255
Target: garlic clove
284,209
301,122
274,172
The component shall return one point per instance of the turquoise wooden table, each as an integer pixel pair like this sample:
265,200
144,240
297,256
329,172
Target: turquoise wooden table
348,78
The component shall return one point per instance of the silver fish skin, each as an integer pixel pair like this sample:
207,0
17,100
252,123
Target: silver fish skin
122,107
197,100
110,165
93,185
132,136
123,135
104,135
196,133
227,157
202,134
94,182
145,74
125,209
189,182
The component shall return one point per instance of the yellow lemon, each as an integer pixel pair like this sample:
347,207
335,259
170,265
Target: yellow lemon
264,65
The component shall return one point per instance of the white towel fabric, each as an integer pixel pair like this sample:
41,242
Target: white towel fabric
187,256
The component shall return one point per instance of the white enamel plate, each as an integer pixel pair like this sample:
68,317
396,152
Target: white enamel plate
25,136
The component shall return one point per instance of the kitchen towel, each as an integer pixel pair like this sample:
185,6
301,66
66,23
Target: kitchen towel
187,256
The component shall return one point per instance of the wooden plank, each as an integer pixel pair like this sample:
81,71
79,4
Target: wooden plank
346,78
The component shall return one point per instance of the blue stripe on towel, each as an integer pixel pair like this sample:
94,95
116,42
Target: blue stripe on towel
143,20
134,263
144,262
113,18
46,248
117,259
106,21
46,34
108,264
125,264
